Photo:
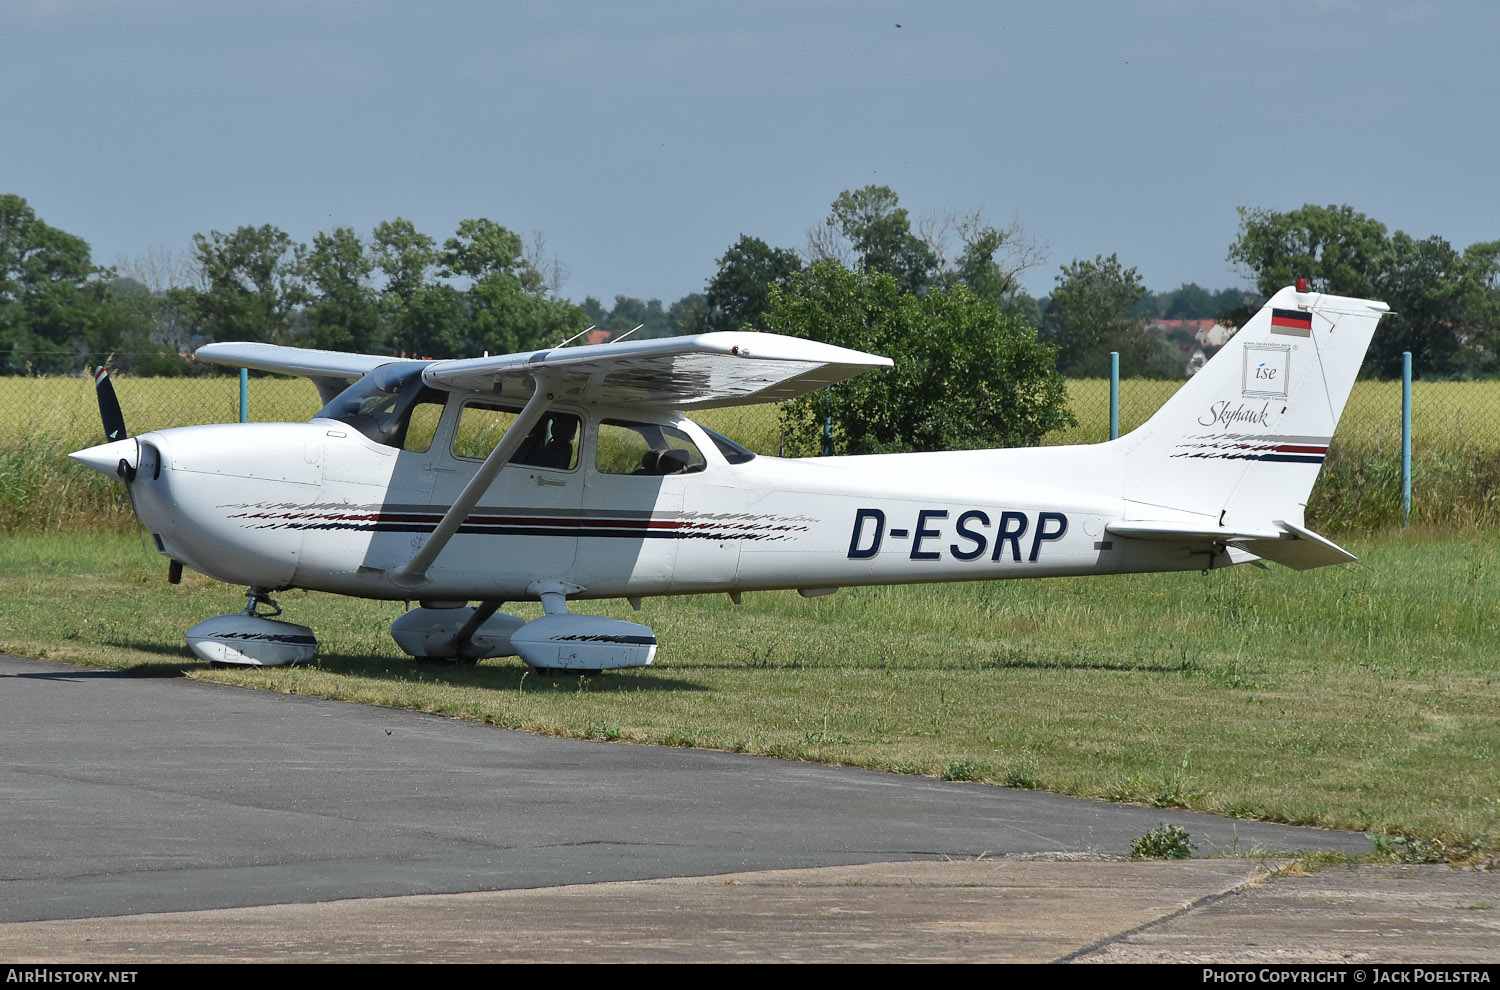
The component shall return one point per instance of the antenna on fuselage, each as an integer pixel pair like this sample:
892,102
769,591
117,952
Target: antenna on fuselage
574,337
627,333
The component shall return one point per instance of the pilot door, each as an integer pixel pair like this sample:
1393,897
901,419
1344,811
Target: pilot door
633,525
525,527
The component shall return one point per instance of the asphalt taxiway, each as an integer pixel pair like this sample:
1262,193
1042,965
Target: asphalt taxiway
161,818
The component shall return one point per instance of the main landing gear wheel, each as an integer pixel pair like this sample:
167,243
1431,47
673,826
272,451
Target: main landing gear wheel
251,638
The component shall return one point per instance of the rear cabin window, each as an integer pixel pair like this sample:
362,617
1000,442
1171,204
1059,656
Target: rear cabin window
645,448
552,443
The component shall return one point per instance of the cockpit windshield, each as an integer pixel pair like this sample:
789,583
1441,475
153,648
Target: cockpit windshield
379,405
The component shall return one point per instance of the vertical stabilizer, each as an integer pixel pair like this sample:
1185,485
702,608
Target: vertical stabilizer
1240,445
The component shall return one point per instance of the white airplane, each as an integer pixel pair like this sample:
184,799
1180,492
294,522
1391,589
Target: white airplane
572,474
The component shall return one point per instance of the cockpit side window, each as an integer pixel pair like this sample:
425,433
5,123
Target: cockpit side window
552,443
423,424
733,452
381,404
645,448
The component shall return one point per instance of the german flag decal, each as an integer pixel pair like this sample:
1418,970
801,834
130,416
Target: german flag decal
1291,322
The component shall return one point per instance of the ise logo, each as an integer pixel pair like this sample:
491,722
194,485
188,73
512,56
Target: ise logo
1267,368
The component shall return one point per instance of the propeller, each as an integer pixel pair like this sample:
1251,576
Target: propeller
118,455
114,456
109,407
114,430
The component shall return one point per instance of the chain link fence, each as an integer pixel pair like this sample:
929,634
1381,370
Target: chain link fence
1455,430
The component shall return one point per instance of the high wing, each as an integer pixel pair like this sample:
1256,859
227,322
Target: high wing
304,361
724,368
330,371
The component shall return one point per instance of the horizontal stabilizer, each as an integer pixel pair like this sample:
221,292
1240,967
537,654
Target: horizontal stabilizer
1287,543
1302,550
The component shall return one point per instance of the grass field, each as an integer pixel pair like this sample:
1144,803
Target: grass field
1365,697
1456,445
1362,697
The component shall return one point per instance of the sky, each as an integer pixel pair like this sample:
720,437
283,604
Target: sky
643,138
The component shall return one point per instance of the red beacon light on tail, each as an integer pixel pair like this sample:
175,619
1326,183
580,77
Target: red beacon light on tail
1301,285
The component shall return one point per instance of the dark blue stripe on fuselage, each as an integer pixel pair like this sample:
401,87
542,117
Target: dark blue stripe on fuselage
482,530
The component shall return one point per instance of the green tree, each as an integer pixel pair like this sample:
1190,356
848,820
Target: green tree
1443,310
688,315
1481,344
435,324
1336,248
157,328
508,310
49,294
252,287
739,291
965,376
1443,302
977,269
504,318
629,313
343,311
136,329
483,249
876,228
406,257
1088,316
991,259
1021,304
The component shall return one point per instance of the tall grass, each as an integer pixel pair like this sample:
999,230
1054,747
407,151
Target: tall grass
1455,456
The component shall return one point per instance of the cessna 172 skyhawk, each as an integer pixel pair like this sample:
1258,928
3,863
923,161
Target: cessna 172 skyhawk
572,474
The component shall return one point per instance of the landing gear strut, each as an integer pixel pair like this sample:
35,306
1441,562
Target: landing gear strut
258,597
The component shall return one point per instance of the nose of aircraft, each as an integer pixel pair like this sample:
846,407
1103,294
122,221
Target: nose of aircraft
106,457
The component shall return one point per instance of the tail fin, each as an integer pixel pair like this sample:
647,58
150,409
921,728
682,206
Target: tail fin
1238,448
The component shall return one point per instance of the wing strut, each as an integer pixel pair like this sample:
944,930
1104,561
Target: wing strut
414,571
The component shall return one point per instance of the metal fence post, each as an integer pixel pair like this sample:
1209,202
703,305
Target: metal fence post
1114,395
1405,436
244,395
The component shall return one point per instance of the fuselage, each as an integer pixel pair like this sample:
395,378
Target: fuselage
572,473
322,506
